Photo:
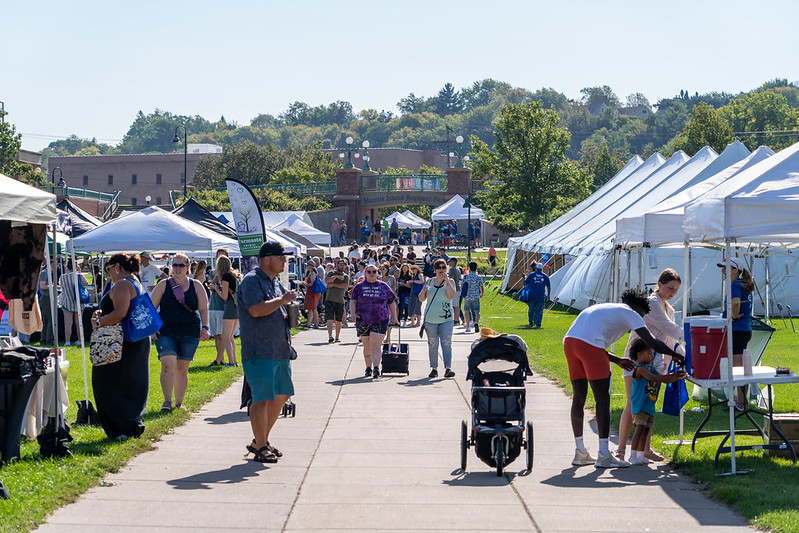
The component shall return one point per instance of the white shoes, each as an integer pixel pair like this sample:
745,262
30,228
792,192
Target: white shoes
582,459
640,461
608,461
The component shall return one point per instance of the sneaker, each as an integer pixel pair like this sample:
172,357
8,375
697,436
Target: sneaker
608,461
433,373
467,330
66,344
448,373
375,373
640,461
167,406
330,340
368,372
582,459
476,327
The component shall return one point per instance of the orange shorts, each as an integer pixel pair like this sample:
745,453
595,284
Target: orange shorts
585,361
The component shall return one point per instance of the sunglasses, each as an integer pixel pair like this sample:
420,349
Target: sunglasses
371,271
441,267
180,265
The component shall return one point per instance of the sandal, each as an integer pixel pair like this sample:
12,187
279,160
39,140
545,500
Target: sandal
167,406
263,455
271,449
652,455
274,450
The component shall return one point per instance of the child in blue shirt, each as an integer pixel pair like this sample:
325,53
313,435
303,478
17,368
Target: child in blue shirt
644,394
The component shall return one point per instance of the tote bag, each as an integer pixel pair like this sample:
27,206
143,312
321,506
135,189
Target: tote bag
318,286
524,295
676,395
142,320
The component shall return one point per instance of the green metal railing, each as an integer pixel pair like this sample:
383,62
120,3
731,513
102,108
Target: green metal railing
404,182
308,188
63,190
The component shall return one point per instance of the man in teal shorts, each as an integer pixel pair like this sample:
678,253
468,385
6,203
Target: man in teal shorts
266,349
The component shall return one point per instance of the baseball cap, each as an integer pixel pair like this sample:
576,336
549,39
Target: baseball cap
734,263
539,266
145,254
273,248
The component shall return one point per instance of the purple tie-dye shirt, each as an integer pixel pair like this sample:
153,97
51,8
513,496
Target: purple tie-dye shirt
372,301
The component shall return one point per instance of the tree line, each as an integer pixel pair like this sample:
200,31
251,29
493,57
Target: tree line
596,134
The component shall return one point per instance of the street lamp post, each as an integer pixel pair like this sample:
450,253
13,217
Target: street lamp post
176,139
366,167
349,149
60,176
459,150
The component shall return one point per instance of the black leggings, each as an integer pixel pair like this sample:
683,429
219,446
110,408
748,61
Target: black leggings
601,390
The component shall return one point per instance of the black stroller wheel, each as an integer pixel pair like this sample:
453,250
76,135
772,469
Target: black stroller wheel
464,444
500,457
529,446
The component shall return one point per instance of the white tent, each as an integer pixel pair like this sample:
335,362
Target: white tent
22,203
453,209
758,205
287,241
403,221
154,230
416,218
271,218
295,223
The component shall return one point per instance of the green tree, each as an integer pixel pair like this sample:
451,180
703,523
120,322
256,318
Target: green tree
705,128
269,200
482,92
637,99
10,144
599,163
762,118
527,164
550,98
448,101
248,162
154,133
412,104
595,97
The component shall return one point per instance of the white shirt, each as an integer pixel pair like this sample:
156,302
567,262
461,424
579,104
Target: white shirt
355,254
148,275
603,324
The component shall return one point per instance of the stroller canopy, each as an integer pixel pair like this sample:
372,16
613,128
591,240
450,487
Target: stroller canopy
499,348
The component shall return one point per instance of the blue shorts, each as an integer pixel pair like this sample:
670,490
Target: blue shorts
471,305
268,378
183,347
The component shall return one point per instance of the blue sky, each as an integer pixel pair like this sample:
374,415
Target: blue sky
88,67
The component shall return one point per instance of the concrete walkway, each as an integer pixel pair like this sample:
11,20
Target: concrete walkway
382,455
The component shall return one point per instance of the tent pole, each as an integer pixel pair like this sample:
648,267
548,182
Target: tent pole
730,387
767,312
60,422
81,333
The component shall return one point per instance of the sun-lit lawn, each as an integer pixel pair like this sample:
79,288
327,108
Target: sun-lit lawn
769,497
38,486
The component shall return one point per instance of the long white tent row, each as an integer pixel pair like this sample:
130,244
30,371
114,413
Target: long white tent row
630,214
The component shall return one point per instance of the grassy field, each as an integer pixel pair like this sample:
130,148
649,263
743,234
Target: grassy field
38,486
769,497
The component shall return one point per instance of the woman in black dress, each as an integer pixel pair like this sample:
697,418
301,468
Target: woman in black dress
121,388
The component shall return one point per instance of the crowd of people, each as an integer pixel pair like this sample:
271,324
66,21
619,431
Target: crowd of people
377,289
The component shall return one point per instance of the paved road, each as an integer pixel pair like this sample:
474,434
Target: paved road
377,456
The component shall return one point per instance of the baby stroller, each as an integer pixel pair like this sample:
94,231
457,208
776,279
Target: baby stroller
498,431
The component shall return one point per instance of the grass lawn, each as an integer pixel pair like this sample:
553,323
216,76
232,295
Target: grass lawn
38,486
769,497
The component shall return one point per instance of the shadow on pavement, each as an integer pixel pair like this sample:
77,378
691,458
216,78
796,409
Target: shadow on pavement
228,418
234,474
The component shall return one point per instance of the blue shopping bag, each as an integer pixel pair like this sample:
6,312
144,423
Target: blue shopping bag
676,395
142,319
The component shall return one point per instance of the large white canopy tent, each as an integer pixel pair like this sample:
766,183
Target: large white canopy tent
588,236
154,230
297,225
453,209
756,208
22,203
271,218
